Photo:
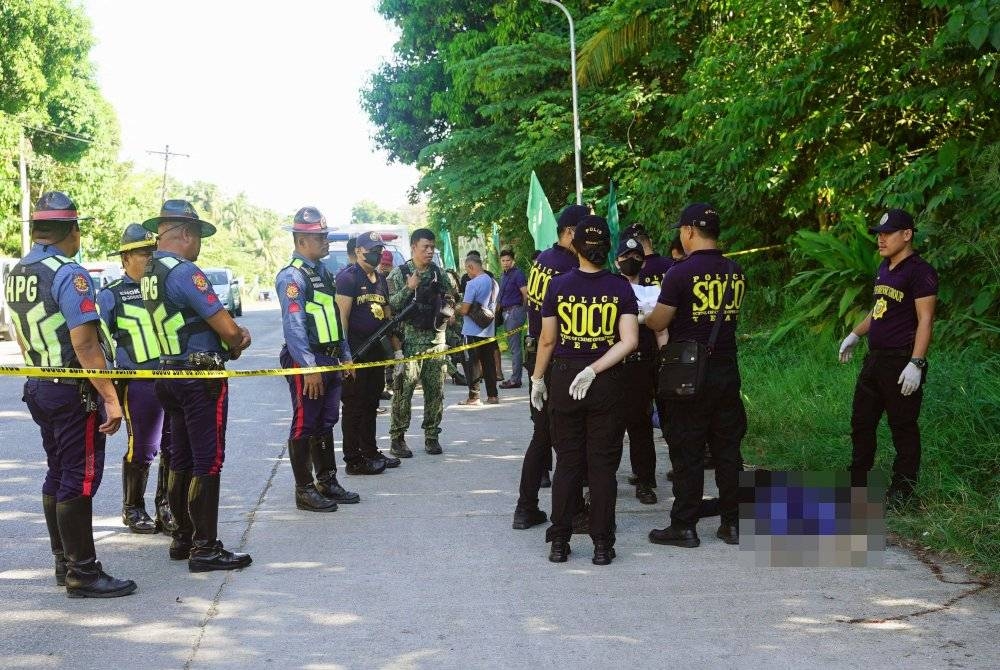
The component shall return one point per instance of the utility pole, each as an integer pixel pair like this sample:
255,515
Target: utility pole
22,165
166,153
576,113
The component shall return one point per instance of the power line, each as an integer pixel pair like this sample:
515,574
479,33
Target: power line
166,153
58,133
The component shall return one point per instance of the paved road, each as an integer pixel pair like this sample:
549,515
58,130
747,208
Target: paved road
426,572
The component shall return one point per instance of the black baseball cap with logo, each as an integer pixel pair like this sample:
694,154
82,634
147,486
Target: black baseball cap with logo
592,231
893,220
700,215
629,245
570,216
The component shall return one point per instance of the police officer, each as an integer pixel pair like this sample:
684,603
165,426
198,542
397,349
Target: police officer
639,368
899,334
654,266
195,333
363,301
552,262
53,307
423,283
138,348
313,337
697,291
589,326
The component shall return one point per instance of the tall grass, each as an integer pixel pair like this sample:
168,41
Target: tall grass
798,400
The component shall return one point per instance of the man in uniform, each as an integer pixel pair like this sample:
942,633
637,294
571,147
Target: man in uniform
513,293
899,335
363,301
421,281
550,263
53,306
654,265
195,333
640,369
313,337
696,292
138,348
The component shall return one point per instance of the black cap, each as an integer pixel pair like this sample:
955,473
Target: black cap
592,231
700,215
370,240
55,207
178,211
135,237
893,220
635,230
628,245
570,216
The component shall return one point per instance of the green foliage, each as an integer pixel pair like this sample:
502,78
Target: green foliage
367,212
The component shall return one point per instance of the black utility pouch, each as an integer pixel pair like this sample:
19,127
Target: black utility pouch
682,367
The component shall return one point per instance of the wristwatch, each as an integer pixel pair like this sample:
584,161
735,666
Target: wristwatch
919,362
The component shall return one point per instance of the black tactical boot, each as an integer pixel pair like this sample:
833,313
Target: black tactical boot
432,446
366,466
390,461
164,517
645,494
55,540
399,449
207,552
560,551
325,464
526,518
604,550
85,577
134,477
675,536
177,496
306,496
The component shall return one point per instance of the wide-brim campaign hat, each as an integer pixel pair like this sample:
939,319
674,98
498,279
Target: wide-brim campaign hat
55,207
893,220
135,237
178,211
307,220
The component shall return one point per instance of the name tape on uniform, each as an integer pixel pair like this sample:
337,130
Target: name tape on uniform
63,373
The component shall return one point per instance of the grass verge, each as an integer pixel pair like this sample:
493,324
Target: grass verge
798,400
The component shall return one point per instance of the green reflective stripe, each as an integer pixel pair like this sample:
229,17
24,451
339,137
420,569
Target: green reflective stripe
324,313
42,336
167,330
170,262
297,263
52,263
139,325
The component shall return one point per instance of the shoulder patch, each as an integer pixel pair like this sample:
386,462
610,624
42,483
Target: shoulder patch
81,284
292,291
200,281
87,306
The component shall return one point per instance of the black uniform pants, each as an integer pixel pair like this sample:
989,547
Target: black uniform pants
586,435
716,418
640,376
877,392
538,456
361,397
482,367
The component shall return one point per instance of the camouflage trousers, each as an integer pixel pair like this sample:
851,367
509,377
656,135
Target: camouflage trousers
430,373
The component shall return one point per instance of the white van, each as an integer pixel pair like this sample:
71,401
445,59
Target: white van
224,284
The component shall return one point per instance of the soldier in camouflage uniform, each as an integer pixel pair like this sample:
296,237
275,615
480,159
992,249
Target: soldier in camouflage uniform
420,281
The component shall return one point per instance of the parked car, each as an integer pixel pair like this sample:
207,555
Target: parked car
337,259
227,287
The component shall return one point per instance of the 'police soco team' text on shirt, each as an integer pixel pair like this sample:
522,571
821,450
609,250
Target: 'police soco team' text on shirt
587,307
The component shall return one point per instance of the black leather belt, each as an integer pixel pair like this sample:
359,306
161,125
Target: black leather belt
331,350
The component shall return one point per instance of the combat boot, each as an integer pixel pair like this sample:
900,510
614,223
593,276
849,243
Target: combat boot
306,496
399,449
432,446
177,494
164,517
526,518
85,577
325,463
134,515
55,540
604,550
207,552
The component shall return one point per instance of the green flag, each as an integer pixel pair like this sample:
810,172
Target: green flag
495,251
541,220
447,253
612,222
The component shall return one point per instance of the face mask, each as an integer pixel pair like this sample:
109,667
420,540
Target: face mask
630,266
373,258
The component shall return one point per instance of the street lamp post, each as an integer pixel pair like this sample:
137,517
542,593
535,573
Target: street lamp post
576,114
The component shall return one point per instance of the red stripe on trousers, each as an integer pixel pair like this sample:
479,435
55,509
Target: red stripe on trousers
298,408
88,456
220,424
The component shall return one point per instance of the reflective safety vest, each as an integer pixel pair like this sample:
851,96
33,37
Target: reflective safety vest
133,326
174,325
322,316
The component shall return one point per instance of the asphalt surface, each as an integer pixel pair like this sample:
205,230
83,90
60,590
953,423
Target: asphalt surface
427,573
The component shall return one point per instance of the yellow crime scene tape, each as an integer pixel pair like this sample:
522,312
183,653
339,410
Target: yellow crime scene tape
62,373
752,251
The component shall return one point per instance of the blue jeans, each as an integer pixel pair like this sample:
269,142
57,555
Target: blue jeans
514,317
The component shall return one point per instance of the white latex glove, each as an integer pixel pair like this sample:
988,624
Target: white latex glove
581,383
398,368
539,394
910,379
847,347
